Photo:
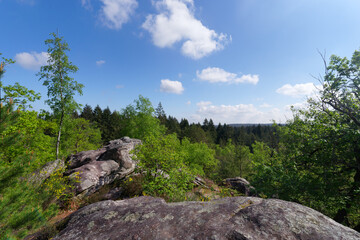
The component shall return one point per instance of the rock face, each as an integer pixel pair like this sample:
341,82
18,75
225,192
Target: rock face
237,218
96,168
241,185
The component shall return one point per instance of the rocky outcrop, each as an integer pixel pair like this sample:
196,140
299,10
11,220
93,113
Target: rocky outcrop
95,168
240,218
241,185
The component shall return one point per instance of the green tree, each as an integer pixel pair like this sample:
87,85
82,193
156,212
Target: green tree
162,163
61,87
80,135
318,159
19,95
139,121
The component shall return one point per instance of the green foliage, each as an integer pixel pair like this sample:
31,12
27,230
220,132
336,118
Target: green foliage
139,120
234,161
170,166
317,163
79,135
23,206
19,95
199,158
61,87
162,164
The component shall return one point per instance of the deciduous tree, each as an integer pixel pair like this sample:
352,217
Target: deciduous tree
61,87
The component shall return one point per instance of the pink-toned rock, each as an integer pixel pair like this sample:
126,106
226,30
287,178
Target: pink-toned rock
237,218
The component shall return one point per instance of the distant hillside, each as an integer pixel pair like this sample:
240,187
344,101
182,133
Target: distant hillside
252,124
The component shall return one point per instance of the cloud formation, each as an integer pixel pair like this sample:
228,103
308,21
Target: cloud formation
100,62
113,13
299,90
218,75
33,60
240,113
169,86
175,22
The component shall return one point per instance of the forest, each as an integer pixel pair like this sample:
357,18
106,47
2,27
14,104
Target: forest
313,159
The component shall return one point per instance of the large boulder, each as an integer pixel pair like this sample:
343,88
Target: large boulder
95,168
237,218
241,185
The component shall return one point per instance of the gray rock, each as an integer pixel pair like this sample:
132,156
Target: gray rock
82,158
94,175
241,185
241,218
96,168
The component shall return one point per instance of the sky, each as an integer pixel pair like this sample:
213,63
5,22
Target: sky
234,61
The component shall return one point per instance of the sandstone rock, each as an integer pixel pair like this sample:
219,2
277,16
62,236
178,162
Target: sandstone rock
96,168
241,218
241,185
81,158
94,175
119,151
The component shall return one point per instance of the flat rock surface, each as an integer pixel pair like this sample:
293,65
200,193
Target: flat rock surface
238,218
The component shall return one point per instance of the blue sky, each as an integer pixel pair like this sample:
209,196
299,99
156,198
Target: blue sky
235,61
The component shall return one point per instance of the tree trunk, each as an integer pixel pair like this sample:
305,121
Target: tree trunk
59,135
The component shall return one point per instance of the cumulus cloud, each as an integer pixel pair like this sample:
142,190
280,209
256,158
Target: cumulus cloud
240,113
299,90
114,13
169,86
32,60
175,22
100,62
218,75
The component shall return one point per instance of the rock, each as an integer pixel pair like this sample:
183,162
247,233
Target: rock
96,168
94,175
241,218
81,158
241,185
119,151
39,176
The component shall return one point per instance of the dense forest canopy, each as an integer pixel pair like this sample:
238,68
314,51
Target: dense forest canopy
314,159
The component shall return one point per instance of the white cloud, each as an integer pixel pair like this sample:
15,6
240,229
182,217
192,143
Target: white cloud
240,113
299,90
265,105
176,23
119,86
114,13
100,62
188,102
218,75
169,86
86,4
33,60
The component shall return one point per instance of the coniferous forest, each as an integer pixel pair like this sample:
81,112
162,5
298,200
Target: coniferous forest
313,159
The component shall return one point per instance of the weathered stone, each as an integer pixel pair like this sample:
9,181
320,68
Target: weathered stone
94,175
96,168
245,218
82,158
120,151
241,185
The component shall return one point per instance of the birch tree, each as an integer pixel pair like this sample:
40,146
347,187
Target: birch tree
61,87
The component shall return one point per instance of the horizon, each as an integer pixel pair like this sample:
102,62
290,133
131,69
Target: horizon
236,62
